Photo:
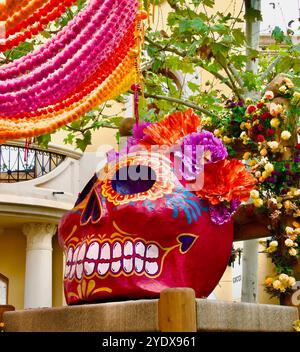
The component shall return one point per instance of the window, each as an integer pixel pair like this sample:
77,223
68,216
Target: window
3,290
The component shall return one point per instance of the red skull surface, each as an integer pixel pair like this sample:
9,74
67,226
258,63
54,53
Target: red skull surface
130,239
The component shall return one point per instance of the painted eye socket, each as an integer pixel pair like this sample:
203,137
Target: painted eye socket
83,194
133,179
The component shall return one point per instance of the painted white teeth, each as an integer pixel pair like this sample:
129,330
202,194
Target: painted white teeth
81,252
105,251
152,251
138,263
70,255
127,265
118,257
89,268
103,268
140,248
93,251
72,270
117,250
151,268
67,270
79,270
116,266
75,256
128,248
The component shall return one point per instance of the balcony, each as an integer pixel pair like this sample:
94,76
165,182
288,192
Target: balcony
19,164
37,184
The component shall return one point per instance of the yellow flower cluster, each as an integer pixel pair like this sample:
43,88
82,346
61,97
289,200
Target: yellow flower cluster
287,86
257,201
281,282
296,99
296,325
244,136
268,168
227,140
272,247
292,234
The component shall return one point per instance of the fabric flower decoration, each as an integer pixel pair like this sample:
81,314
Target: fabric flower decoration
220,213
212,150
172,128
226,180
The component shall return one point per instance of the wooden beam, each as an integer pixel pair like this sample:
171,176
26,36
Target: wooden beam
249,225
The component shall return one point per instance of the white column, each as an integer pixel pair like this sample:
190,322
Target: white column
38,274
250,271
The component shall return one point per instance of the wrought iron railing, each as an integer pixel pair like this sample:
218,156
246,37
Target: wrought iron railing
18,164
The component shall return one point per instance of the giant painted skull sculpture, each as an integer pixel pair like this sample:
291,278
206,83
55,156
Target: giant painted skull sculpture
129,239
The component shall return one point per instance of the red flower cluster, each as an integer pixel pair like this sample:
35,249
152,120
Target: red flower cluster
260,118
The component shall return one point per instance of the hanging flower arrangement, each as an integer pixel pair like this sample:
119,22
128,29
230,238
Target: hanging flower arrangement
264,135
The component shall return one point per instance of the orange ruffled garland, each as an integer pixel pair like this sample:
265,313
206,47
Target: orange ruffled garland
9,7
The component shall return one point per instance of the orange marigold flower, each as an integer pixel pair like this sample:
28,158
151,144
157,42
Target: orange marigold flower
226,180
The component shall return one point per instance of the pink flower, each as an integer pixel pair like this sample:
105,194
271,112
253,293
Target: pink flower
275,109
269,95
250,109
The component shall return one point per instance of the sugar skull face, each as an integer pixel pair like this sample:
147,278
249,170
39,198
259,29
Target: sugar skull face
133,237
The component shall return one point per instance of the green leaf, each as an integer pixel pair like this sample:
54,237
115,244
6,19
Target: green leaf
195,25
239,36
193,86
44,140
278,34
82,143
253,15
116,120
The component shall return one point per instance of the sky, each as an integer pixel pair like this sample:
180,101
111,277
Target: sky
280,13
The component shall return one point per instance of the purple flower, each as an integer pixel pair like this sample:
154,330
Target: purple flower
271,179
138,134
138,130
213,146
220,213
234,204
191,150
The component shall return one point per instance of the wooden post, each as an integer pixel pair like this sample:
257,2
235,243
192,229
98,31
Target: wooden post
177,310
